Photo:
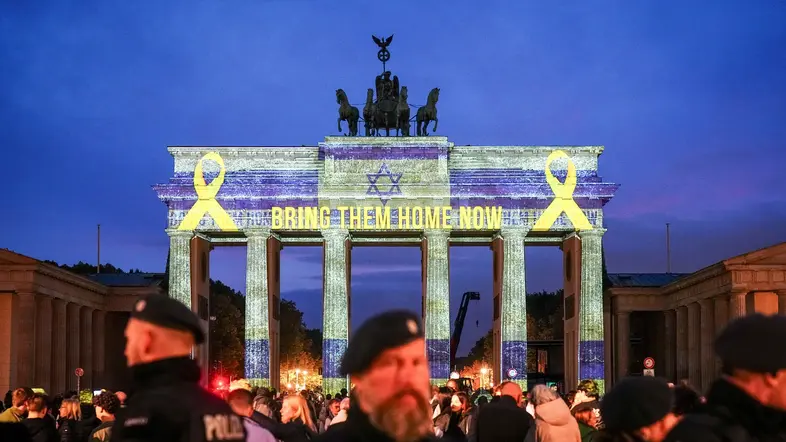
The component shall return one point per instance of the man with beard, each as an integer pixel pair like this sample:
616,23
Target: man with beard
386,360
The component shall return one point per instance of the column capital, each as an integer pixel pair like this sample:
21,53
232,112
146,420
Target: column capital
514,232
436,233
257,232
177,233
781,292
335,234
594,233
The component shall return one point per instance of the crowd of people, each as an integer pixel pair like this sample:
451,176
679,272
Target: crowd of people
392,400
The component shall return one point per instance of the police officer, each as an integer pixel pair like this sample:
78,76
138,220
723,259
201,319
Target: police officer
749,401
167,403
386,360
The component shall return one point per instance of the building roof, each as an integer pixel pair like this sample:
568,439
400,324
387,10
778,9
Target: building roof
643,279
128,279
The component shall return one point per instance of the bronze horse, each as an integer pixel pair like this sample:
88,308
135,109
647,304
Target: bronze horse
402,113
347,112
428,113
368,113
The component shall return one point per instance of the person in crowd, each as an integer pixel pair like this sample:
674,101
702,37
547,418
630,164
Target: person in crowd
7,400
106,405
40,427
263,403
686,399
14,431
588,391
453,385
587,420
298,424
241,401
553,421
467,417
333,407
386,360
342,412
443,420
69,424
17,407
168,404
122,397
569,398
748,402
637,409
504,420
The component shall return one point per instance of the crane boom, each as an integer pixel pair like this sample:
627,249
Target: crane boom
458,325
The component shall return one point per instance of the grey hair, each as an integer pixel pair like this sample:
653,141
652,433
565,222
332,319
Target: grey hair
542,394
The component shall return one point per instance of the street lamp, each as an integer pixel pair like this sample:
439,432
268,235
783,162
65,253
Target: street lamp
483,372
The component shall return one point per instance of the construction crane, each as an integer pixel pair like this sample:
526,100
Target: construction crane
458,326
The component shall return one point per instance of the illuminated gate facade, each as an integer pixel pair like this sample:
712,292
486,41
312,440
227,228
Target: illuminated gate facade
408,191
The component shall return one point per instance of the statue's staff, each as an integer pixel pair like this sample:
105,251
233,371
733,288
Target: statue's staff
383,54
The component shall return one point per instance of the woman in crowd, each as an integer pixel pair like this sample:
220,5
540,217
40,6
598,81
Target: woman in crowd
297,424
553,422
461,405
69,424
587,419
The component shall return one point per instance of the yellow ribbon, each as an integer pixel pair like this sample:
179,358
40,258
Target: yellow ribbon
563,198
206,198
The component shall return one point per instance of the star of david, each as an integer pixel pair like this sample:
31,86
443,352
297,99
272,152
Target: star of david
373,178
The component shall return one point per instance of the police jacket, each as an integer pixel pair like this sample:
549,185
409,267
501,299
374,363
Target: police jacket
357,428
167,404
730,415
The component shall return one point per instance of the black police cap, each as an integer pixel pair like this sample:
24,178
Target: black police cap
382,332
636,402
753,343
169,313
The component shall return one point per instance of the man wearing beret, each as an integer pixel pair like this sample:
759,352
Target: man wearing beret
386,360
638,409
749,401
167,403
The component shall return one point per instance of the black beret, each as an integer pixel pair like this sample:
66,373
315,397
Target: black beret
636,402
747,343
382,332
169,313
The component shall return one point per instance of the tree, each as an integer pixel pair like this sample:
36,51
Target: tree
227,331
314,335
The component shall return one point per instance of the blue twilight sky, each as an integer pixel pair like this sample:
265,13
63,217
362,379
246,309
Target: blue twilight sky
689,98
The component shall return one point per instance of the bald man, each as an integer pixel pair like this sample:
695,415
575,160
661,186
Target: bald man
505,420
168,404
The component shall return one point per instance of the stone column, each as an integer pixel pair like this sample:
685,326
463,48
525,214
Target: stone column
707,340
437,303
25,337
99,348
669,351
622,341
59,356
781,301
682,343
335,311
513,306
257,314
721,315
86,346
43,344
180,265
737,304
72,344
694,344
591,338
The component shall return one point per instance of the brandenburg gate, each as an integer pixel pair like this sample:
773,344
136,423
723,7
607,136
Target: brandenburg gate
420,191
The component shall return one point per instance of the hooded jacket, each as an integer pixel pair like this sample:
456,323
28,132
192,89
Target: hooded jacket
554,423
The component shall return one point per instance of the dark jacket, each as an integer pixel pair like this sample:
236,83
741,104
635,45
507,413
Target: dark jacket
295,431
42,430
503,421
263,421
730,415
72,430
587,432
169,405
357,428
